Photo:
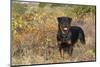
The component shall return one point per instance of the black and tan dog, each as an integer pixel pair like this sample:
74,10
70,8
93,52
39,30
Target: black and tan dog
68,35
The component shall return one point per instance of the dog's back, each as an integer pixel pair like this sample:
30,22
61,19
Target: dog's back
77,33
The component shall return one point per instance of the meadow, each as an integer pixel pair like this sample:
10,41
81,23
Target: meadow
34,32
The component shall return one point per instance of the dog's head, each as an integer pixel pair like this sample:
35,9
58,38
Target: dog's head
64,23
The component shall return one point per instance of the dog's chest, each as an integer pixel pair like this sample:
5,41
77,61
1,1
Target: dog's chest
66,36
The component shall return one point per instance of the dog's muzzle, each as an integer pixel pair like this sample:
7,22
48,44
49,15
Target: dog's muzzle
65,29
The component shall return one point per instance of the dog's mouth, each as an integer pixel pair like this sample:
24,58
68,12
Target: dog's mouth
65,29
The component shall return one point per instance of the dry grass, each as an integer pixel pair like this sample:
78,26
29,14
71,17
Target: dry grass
38,44
41,47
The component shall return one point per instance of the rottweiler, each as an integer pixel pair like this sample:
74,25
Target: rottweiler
68,35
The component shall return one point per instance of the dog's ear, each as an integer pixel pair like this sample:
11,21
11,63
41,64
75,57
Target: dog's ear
70,19
59,19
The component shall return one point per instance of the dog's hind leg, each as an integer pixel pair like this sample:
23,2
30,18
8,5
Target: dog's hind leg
82,37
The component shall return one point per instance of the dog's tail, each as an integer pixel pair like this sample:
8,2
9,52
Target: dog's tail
82,37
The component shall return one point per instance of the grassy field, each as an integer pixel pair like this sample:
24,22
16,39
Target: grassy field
34,30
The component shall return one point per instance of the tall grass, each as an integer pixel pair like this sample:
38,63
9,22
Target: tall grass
34,29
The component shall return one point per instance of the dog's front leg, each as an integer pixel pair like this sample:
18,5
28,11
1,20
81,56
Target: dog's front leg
61,49
61,52
70,50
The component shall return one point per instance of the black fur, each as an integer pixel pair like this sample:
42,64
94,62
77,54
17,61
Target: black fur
68,37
